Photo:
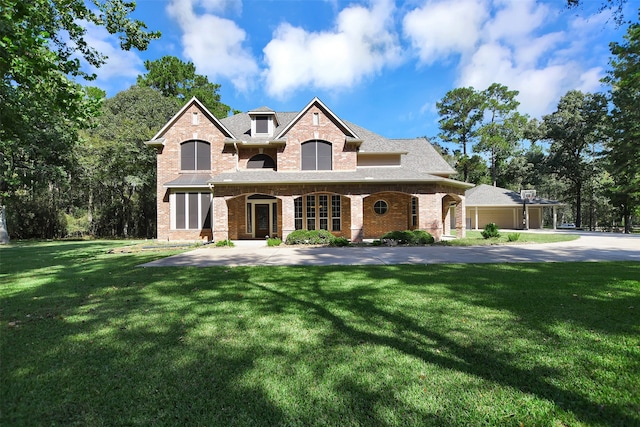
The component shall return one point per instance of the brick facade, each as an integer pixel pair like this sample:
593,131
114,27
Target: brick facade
229,220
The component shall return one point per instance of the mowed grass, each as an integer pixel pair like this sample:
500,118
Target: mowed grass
474,238
90,339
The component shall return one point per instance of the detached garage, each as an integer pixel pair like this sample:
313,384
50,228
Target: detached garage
486,204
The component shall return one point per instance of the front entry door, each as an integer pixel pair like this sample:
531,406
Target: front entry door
262,221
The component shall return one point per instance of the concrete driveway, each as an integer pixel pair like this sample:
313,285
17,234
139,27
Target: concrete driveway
590,247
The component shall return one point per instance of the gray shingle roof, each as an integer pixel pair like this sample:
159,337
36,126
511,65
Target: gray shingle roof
368,175
190,180
488,195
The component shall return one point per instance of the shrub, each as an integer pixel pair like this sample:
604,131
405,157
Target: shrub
309,237
340,241
407,237
513,237
221,243
422,237
490,231
274,241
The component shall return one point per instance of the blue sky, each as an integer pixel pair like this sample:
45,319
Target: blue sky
378,63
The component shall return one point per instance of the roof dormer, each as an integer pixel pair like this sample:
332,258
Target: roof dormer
263,122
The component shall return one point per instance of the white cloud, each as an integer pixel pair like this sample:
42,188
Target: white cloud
521,44
361,44
214,44
120,65
442,28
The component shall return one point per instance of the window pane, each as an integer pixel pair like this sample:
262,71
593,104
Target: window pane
380,207
180,211
324,224
261,161
309,156
193,211
204,155
188,156
335,212
297,207
262,124
324,155
311,212
274,218
205,210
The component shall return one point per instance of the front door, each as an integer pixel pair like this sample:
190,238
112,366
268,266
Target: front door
262,221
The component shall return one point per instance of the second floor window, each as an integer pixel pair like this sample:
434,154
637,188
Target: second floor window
195,155
316,156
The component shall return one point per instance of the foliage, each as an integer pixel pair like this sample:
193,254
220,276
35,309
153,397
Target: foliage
461,112
117,172
340,242
224,243
274,241
427,345
309,237
513,237
623,148
491,231
502,127
178,80
407,237
42,43
576,130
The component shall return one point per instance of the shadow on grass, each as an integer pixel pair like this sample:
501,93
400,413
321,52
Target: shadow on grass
89,339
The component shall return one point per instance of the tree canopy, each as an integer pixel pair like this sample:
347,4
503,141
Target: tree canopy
176,79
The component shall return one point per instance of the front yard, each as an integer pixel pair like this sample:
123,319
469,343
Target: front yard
87,338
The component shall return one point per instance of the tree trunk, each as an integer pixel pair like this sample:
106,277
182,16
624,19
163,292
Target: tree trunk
579,205
4,234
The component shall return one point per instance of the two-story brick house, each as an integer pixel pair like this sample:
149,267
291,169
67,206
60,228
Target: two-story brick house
266,173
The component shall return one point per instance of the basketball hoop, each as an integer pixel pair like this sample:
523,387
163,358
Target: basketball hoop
527,195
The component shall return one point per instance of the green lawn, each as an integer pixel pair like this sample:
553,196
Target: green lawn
89,339
474,238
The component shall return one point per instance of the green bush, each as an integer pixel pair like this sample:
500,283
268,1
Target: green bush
340,241
513,237
221,243
490,231
309,237
274,241
407,237
422,237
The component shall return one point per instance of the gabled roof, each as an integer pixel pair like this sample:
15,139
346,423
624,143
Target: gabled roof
348,132
488,195
156,139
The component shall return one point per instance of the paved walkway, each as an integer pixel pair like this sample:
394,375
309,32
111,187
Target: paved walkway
589,247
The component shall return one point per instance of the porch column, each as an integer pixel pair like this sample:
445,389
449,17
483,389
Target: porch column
430,214
526,208
220,218
555,217
461,218
288,216
357,217
476,220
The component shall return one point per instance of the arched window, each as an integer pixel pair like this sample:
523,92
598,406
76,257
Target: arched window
195,155
261,161
316,156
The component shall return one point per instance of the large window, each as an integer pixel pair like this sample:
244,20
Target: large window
195,155
192,211
316,155
262,124
317,212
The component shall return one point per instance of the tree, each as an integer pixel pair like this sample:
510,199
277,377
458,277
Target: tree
117,175
41,42
503,126
617,6
176,79
576,130
623,148
461,112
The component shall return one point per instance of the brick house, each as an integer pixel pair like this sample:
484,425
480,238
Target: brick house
266,173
